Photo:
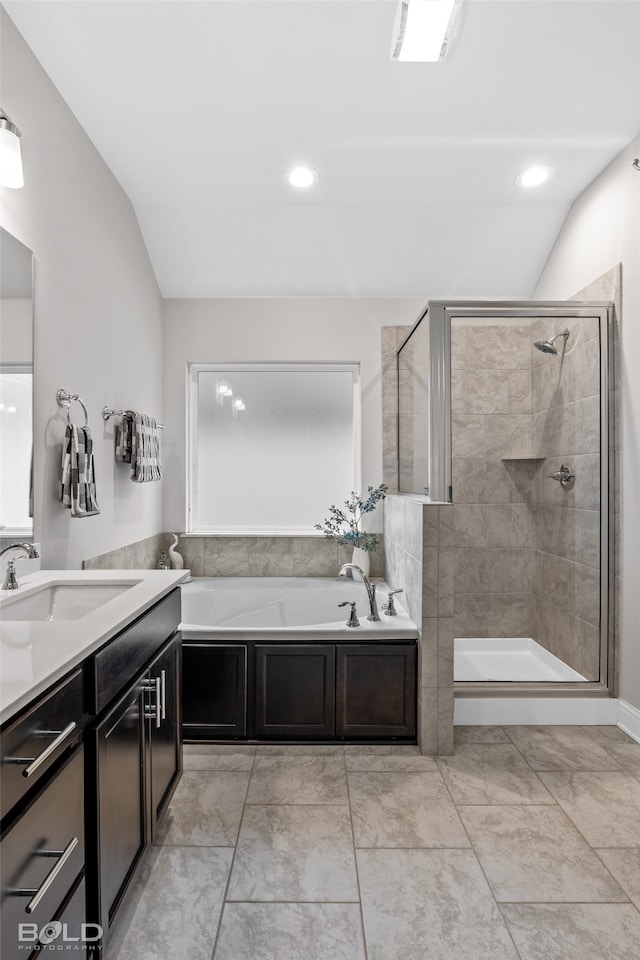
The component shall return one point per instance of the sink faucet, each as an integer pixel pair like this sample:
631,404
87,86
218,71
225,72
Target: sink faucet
10,581
370,587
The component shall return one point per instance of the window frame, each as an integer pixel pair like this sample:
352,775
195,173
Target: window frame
192,526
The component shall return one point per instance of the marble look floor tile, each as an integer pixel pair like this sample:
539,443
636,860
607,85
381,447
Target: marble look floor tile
403,810
173,882
575,931
535,855
298,779
290,931
625,867
626,755
605,807
491,773
391,763
608,734
434,904
488,734
213,756
206,809
299,750
295,852
560,748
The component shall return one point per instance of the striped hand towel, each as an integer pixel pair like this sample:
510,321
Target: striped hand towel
78,489
138,443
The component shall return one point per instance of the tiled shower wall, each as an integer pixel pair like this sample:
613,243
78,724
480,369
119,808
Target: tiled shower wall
419,555
566,521
492,478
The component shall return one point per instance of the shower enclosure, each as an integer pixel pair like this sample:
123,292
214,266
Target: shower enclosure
504,410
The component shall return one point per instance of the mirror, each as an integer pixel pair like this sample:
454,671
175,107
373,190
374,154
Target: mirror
16,389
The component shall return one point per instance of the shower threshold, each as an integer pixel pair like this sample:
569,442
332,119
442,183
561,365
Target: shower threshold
508,659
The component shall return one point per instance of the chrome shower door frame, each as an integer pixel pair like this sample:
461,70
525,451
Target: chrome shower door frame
440,315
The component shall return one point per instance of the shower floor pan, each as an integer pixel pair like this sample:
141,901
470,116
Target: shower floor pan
515,659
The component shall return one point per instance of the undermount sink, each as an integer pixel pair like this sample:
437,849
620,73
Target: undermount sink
62,601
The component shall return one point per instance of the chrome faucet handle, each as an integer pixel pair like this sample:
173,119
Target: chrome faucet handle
353,618
389,607
11,581
564,475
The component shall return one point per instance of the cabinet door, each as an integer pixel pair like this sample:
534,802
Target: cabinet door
295,690
376,690
165,739
214,691
120,803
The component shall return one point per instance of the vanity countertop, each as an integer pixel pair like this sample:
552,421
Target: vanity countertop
36,653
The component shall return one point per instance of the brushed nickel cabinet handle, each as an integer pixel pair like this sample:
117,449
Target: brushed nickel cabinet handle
36,762
37,895
159,704
163,675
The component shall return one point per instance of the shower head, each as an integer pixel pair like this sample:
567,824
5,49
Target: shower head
546,346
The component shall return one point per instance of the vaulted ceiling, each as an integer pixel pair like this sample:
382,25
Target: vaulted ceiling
199,109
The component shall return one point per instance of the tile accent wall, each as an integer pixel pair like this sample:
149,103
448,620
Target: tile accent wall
419,557
566,522
492,478
240,556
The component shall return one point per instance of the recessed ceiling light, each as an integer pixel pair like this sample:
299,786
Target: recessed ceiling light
423,30
303,177
534,176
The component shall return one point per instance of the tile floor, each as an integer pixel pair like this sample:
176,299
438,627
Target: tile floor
524,845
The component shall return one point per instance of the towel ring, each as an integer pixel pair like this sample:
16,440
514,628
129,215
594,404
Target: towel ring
66,399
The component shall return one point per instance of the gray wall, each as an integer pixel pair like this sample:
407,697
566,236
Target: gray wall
98,312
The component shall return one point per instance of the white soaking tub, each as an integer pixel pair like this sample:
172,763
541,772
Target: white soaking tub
269,607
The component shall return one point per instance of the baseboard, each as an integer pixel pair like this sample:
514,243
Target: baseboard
629,719
542,711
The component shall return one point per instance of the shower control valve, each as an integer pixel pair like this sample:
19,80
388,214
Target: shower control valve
565,475
389,606
353,617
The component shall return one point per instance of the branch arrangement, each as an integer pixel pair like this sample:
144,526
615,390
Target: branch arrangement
344,523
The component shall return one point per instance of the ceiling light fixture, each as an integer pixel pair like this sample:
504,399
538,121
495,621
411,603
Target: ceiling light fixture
10,157
534,176
303,177
424,29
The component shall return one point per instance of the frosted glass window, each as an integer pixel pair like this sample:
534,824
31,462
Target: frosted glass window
273,445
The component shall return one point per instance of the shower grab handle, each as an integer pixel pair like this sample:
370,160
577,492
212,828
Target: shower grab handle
564,475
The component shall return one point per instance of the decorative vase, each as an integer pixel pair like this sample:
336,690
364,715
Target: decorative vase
362,559
177,563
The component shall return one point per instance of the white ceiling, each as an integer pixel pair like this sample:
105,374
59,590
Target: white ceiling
199,108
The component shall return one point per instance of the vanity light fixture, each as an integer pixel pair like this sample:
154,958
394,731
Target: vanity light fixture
303,177
424,29
534,176
11,174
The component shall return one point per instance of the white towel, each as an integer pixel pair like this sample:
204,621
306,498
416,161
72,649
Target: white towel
78,487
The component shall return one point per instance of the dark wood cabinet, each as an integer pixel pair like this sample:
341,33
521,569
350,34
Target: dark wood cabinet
165,753
375,690
299,691
214,690
295,690
135,748
42,849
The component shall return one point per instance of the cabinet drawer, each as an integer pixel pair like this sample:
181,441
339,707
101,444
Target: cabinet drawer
111,670
39,737
44,852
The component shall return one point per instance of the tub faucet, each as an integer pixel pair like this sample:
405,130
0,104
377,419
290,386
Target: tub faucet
347,568
10,581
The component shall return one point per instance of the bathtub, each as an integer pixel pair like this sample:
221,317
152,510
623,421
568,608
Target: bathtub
269,607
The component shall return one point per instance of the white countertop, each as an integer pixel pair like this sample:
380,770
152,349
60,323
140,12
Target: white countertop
36,653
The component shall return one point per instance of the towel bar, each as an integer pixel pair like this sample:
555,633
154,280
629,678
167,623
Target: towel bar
108,412
66,399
